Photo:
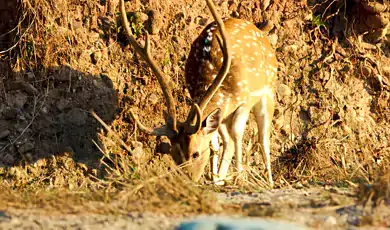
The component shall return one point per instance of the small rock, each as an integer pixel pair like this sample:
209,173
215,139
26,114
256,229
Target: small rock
290,24
346,129
76,116
30,76
377,35
4,134
142,42
386,71
136,144
8,159
96,56
112,6
373,6
67,151
40,163
93,36
279,123
44,110
298,185
141,17
153,99
14,171
235,193
29,89
26,147
283,91
137,154
266,26
10,114
201,20
77,24
21,117
28,157
61,104
156,22
330,221
318,115
21,129
65,73
375,21
273,39
25,86
365,70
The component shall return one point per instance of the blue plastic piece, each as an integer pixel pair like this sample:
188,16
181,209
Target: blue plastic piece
223,223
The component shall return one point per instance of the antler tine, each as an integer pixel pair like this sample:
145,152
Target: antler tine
144,52
226,59
141,126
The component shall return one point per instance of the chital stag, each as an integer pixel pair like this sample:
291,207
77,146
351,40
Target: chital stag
231,70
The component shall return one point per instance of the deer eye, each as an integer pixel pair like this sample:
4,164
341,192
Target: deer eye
195,155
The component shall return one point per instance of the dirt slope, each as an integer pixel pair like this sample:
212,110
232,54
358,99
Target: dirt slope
59,60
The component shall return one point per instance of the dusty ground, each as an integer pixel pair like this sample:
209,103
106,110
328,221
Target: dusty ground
314,208
60,60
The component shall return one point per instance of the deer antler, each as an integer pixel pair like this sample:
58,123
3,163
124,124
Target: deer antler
221,74
227,59
144,52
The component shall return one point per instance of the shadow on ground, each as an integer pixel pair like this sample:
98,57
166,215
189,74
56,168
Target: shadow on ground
38,124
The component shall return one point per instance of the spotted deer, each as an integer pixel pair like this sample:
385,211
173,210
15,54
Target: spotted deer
230,71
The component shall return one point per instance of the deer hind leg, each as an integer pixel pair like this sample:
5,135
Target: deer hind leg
263,112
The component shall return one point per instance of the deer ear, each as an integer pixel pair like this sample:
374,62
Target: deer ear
211,123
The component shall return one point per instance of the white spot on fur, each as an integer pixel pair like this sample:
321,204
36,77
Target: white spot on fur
265,91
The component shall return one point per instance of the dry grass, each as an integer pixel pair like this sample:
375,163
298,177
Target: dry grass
123,190
377,192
